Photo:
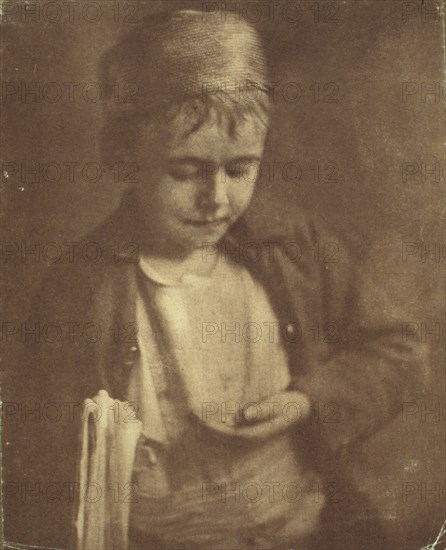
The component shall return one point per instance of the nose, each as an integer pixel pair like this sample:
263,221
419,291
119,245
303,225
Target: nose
214,193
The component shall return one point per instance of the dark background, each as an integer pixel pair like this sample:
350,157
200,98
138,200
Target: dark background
368,48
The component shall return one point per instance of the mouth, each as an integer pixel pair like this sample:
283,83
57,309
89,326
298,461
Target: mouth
217,222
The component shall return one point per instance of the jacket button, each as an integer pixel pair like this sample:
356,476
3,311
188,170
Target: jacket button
231,422
150,453
152,456
290,328
133,349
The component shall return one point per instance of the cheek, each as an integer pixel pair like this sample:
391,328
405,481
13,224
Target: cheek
177,198
240,195
168,196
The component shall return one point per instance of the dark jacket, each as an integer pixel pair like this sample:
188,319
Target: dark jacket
348,357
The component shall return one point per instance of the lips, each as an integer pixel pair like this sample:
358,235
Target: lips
208,223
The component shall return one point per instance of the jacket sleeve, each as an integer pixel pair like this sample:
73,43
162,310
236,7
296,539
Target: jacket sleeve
365,368
42,434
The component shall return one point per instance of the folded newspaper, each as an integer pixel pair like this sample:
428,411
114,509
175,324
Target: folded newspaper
108,443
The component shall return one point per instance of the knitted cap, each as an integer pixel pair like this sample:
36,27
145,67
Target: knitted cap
180,54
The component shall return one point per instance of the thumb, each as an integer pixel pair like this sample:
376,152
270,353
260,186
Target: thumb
290,405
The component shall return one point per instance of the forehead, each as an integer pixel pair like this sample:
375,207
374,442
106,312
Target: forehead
213,139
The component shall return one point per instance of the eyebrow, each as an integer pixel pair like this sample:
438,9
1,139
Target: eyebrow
186,160
247,158
200,161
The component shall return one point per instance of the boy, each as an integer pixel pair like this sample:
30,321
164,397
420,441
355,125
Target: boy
198,138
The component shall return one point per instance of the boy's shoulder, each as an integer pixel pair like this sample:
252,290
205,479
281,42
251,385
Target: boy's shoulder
106,251
296,225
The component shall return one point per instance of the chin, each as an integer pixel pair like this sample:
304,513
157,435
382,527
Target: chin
196,243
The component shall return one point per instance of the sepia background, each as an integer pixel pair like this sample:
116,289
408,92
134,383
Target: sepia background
382,132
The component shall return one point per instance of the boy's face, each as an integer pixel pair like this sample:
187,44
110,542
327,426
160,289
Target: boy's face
194,186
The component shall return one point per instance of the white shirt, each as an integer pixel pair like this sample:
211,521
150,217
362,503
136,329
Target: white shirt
222,349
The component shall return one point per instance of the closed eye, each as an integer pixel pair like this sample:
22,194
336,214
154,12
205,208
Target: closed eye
234,170
247,170
183,171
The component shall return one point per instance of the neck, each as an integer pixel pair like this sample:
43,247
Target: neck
175,266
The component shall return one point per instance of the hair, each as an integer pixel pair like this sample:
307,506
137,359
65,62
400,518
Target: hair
119,135
139,56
